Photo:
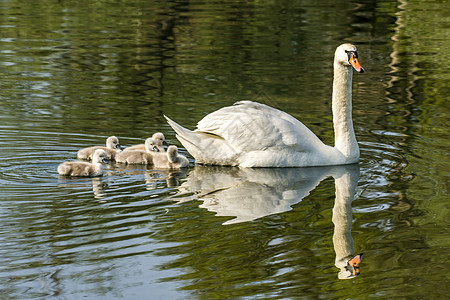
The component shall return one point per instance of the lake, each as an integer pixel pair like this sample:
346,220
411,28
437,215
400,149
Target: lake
73,73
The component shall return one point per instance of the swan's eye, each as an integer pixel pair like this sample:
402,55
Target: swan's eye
351,53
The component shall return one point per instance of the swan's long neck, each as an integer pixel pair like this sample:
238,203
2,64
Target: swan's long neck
344,135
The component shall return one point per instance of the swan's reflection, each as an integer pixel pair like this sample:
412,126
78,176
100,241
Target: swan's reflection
248,194
346,181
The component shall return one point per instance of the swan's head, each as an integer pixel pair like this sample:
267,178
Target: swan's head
99,156
113,143
172,153
159,139
150,145
351,270
347,55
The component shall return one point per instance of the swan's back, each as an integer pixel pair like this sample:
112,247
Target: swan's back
252,134
254,126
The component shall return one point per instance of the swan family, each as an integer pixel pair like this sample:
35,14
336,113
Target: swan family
152,153
251,134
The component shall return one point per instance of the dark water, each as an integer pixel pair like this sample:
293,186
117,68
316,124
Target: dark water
74,72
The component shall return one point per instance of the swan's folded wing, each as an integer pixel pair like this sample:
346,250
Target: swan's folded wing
251,126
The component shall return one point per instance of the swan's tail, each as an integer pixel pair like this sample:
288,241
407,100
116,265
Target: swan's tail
183,134
206,148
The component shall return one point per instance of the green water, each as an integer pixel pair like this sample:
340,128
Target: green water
75,72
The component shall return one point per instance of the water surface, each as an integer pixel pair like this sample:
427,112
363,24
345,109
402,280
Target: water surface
73,73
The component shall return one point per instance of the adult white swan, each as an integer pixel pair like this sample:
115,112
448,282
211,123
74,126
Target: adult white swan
250,134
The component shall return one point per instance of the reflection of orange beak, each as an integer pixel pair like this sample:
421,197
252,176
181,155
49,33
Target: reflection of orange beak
353,265
355,63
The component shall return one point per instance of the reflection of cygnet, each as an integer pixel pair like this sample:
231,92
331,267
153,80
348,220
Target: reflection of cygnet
112,148
97,187
84,169
153,178
170,160
159,140
138,157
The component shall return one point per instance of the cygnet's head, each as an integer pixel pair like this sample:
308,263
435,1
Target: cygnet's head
347,55
99,156
172,153
113,143
150,145
159,139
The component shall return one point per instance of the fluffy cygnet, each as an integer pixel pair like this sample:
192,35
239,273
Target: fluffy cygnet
83,168
159,140
138,157
170,160
112,149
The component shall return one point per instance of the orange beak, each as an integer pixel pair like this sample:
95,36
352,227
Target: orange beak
353,265
355,261
355,63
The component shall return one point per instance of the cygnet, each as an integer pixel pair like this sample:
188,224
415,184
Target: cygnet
159,139
138,157
112,149
83,168
170,160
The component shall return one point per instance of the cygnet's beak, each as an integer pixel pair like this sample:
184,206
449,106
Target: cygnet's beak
120,147
155,148
165,143
105,161
355,63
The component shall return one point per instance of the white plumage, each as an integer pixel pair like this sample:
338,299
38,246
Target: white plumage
250,134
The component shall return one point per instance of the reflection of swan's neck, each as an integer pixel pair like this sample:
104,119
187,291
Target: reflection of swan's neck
344,135
342,219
